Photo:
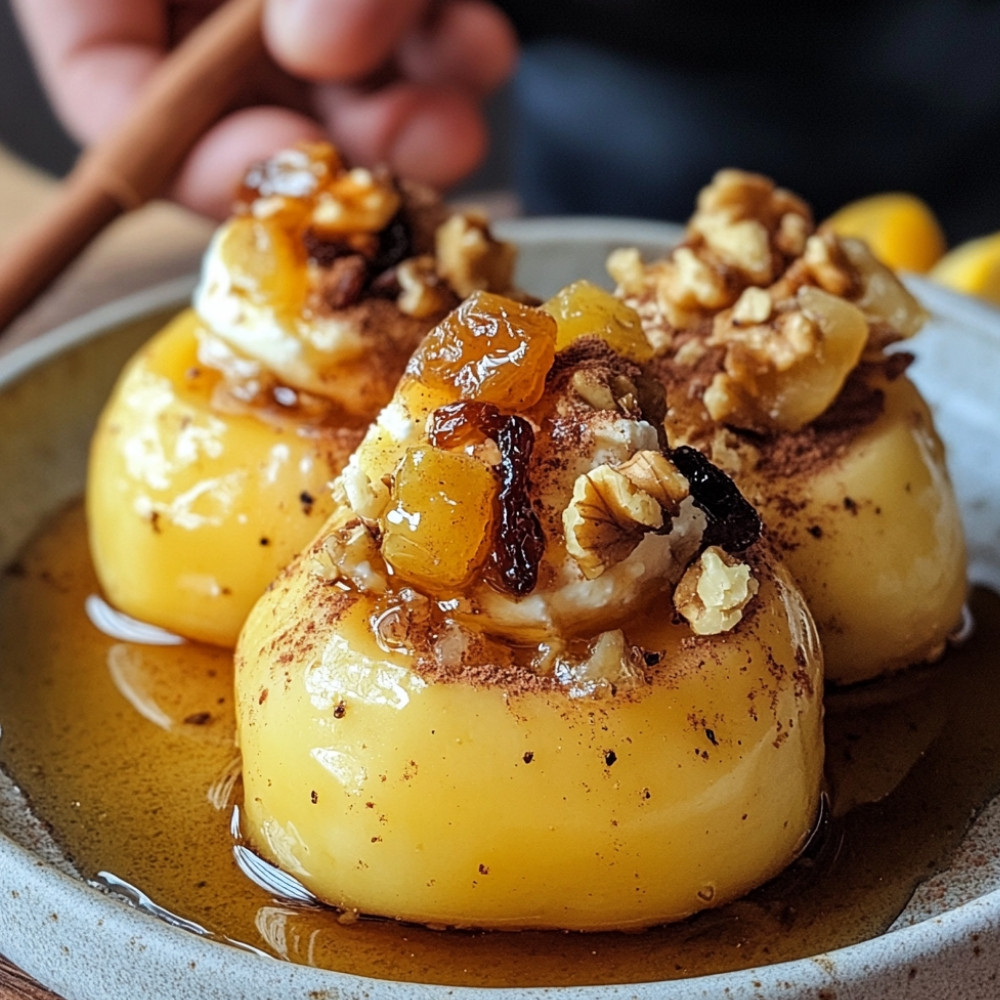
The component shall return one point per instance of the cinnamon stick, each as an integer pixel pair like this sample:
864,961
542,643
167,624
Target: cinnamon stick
190,89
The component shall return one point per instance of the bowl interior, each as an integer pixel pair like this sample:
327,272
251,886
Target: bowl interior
50,394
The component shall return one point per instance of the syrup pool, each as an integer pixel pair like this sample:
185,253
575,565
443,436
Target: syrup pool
125,752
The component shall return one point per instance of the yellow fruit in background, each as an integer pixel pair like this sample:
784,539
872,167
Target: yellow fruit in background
972,267
900,228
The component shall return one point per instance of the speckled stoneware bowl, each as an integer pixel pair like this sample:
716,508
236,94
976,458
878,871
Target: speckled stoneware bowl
90,946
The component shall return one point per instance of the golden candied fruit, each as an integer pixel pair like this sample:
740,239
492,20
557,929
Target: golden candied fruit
437,526
583,309
814,384
491,349
265,264
798,372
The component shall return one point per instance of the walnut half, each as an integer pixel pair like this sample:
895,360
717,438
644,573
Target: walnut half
606,519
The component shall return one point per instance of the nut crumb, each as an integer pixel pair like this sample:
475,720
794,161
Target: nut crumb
714,591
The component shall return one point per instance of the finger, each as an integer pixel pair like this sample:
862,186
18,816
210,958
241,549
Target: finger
467,43
432,134
337,40
211,175
93,56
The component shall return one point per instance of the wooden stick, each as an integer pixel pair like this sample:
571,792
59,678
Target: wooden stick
186,94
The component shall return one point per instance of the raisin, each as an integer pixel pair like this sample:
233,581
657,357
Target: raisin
324,250
344,282
519,543
395,243
733,523
458,424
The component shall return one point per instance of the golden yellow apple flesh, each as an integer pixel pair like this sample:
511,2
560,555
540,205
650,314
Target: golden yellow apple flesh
874,537
193,511
464,800
623,731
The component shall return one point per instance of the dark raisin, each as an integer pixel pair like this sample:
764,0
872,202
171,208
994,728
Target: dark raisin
458,424
521,541
394,244
344,281
324,250
733,523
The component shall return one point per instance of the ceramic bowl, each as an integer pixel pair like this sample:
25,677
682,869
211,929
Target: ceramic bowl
88,945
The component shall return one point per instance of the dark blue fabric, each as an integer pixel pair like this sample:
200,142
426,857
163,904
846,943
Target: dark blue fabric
834,103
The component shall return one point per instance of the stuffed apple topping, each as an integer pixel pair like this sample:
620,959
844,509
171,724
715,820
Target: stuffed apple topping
540,668
212,461
773,338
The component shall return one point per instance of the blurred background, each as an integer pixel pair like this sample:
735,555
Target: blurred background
627,107
27,126
29,129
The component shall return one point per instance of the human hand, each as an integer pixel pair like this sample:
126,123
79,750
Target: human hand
396,81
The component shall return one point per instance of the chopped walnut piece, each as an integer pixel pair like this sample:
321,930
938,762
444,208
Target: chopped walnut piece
627,270
350,552
470,259
714,591
626,396
748,223
654,474
743,244
593,390
638,398
744,233
421,291
691,352
753,306
829,266
793,230
783,373
694,284
606,518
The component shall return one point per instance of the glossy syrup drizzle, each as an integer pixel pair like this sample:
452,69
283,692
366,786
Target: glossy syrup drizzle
126,751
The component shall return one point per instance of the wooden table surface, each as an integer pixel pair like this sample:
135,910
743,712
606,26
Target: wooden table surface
152,245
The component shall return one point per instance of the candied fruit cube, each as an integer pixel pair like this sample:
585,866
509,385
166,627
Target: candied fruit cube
491,349
789,381
437,528
265,264
583,308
